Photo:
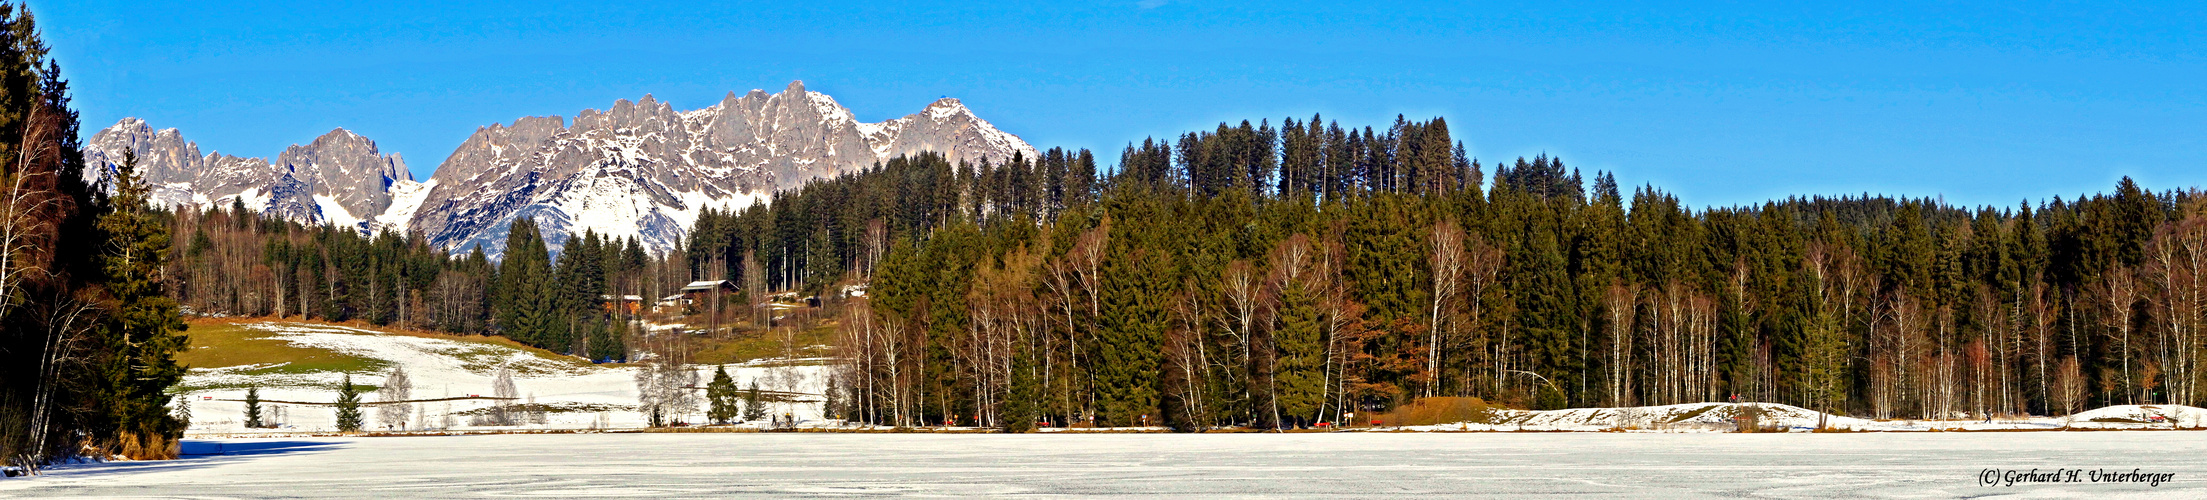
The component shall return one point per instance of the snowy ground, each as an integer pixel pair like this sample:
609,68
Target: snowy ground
1718,417
1547,465
597,396
604,397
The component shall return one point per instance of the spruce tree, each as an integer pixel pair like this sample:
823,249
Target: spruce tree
1299,378
579,281
1136,288
348,406
834,403
1021,406
143,330
754,403
526,307
721,394
606,344
253,407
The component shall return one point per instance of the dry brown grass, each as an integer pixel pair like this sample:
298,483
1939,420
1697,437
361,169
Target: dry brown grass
1437,410
745,344
148,447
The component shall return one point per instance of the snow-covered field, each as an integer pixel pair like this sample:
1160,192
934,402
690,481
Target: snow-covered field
597,396
1393,465
1718,417
605,397
1677,451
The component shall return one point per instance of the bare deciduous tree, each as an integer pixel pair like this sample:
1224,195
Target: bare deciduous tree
396,387
1619,303
2117,294
1448,260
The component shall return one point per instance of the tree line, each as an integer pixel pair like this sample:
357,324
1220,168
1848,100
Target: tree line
245,263
1262,276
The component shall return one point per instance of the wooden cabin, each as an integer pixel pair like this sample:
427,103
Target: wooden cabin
701,292
622,304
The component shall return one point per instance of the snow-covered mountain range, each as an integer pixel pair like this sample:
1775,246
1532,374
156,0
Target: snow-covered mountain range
339,178
638,169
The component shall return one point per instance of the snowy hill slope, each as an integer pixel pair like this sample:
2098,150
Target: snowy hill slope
582,395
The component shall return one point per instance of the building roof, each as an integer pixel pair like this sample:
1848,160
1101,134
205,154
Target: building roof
707,285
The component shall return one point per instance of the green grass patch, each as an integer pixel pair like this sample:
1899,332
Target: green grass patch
225,345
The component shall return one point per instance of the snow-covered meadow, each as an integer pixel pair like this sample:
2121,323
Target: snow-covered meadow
1394,465
595,396
1676,451
604,397
1719,417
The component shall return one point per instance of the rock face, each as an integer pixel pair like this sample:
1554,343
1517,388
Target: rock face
329,180
639,169
643,169
351,181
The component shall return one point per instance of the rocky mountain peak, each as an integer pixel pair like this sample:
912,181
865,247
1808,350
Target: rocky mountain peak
947,107
635,169
641,169
346,170
329,179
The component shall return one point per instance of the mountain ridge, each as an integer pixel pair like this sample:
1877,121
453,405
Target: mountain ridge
634,169
327,180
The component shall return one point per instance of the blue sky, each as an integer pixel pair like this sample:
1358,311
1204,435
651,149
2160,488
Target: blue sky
1722,103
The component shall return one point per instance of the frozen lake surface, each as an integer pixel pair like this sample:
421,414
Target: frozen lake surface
1544,465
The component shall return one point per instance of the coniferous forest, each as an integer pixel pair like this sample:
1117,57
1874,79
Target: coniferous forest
1285,276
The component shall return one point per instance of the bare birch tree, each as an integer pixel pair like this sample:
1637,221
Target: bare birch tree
1447,264
396,387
